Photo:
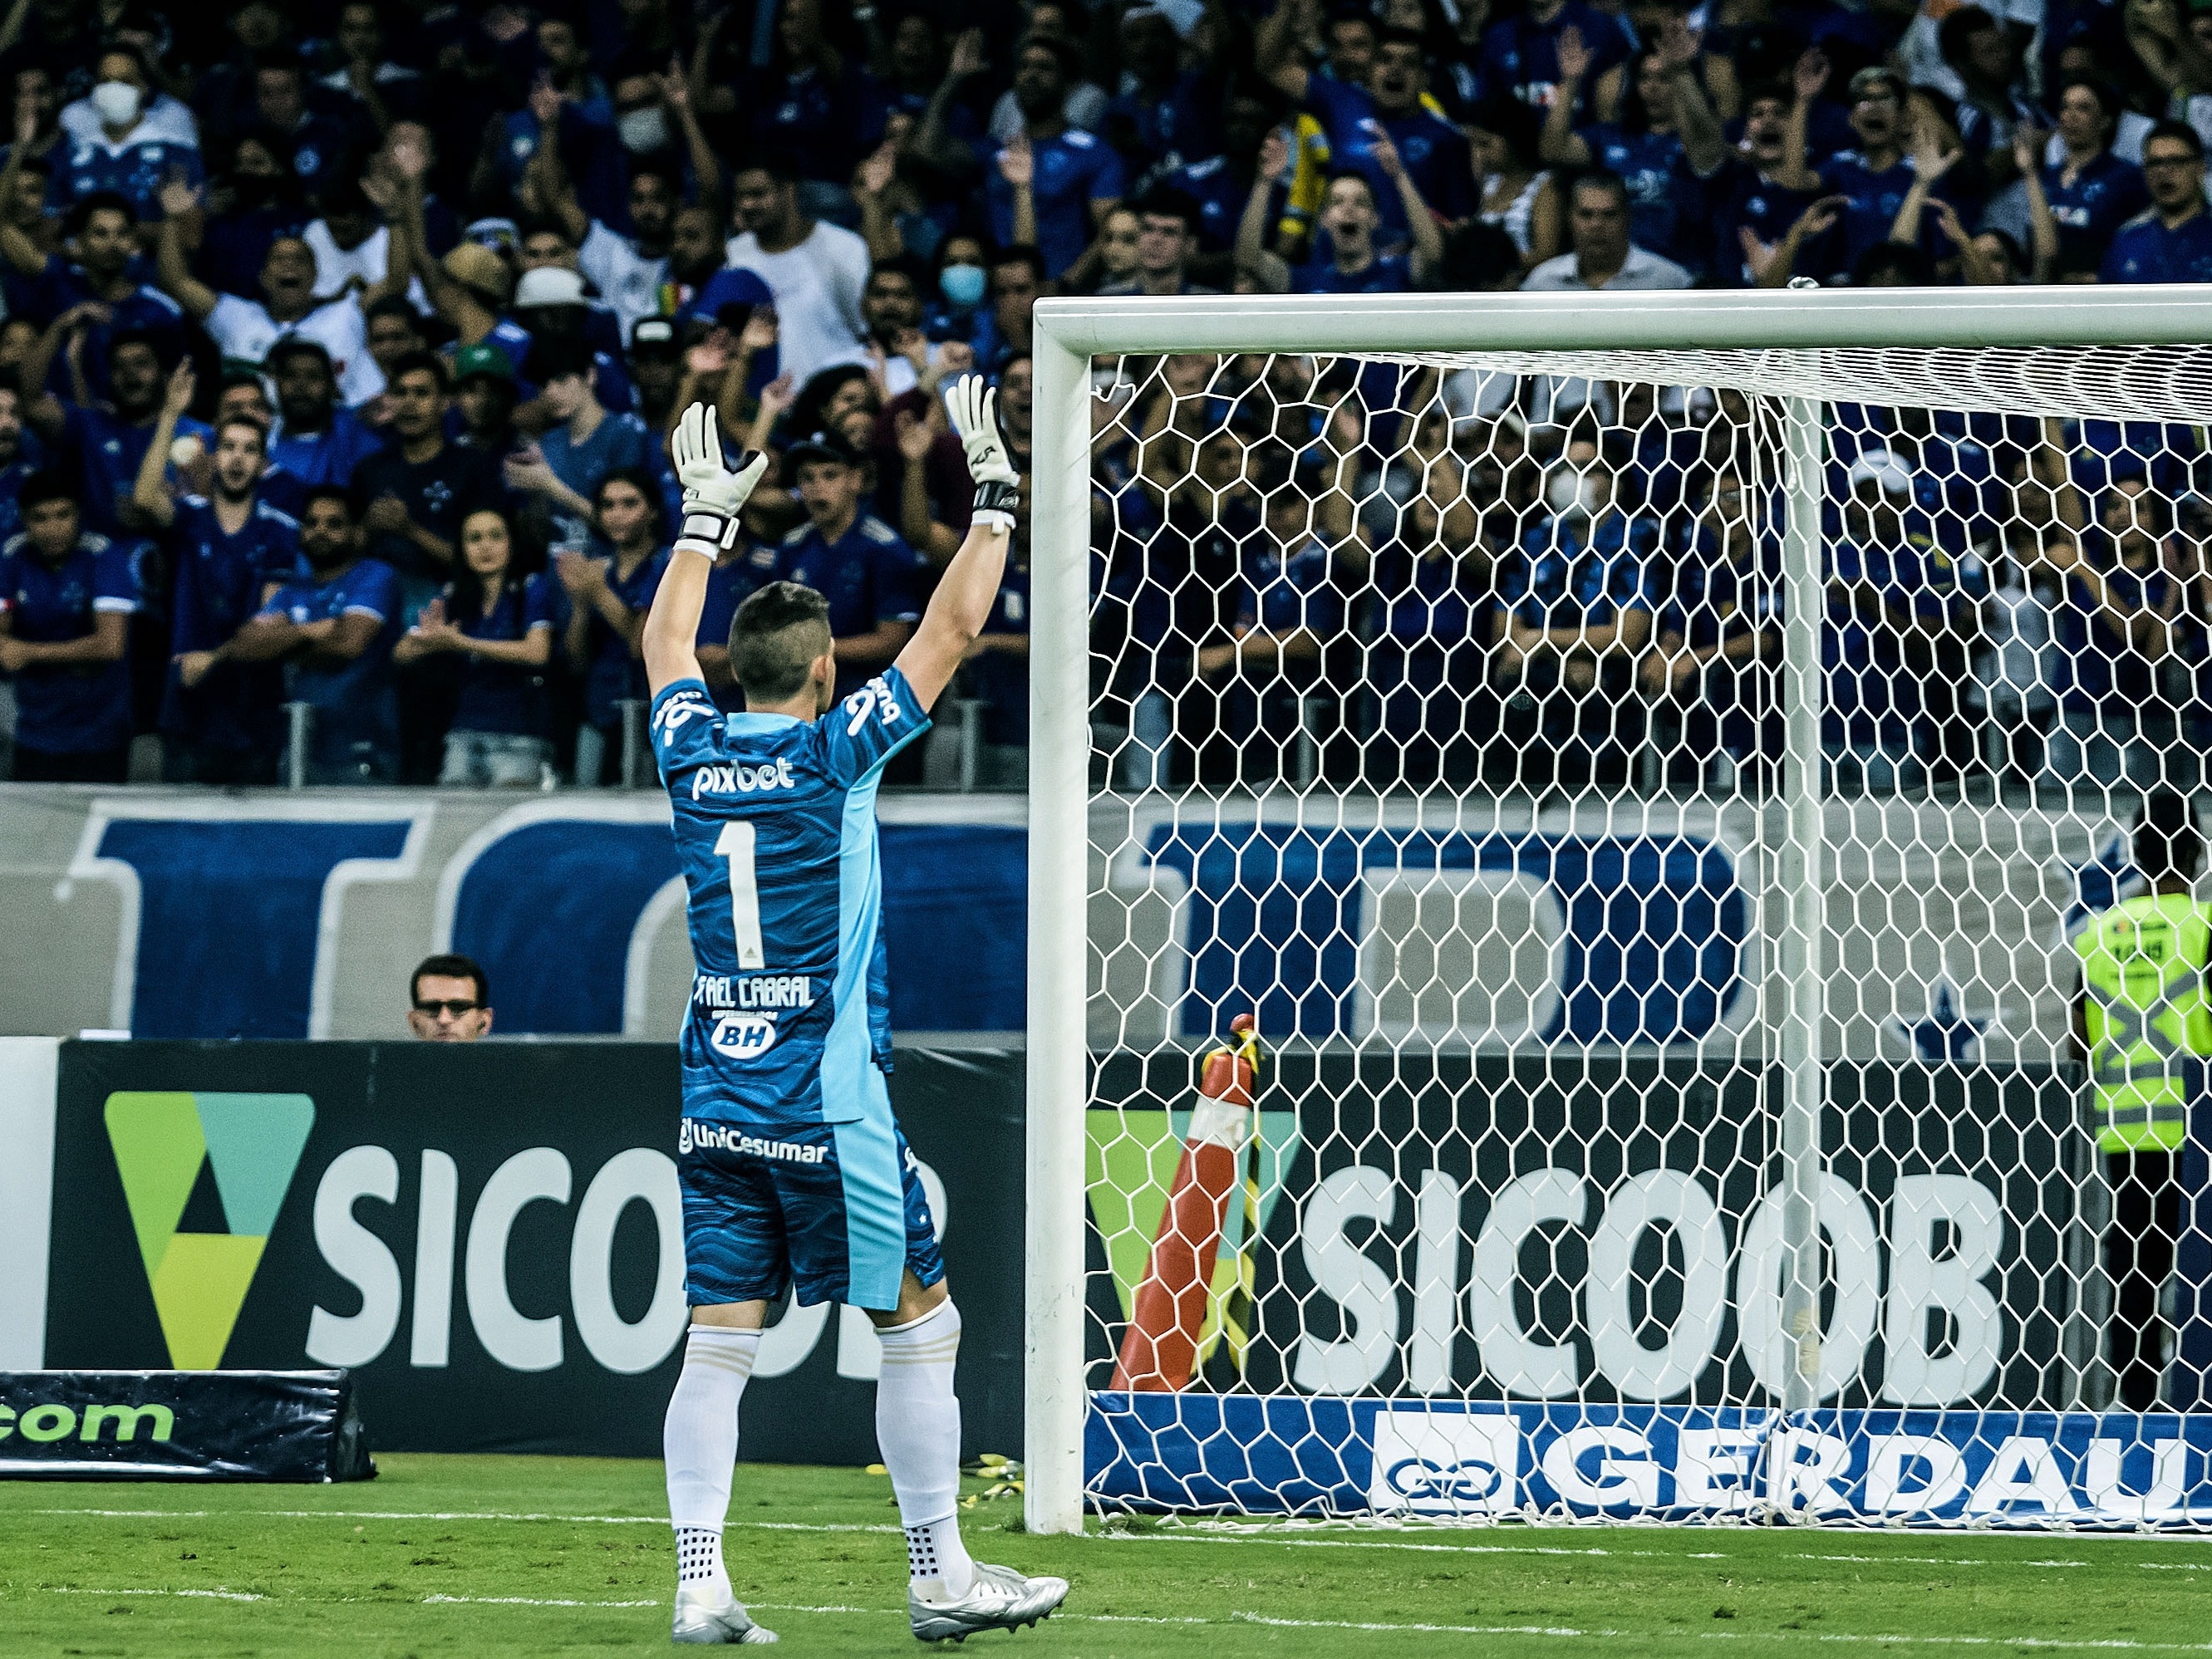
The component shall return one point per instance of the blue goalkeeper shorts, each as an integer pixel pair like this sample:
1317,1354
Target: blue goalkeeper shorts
834,1210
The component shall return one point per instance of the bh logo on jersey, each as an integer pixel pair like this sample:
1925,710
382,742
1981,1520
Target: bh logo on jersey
743,1035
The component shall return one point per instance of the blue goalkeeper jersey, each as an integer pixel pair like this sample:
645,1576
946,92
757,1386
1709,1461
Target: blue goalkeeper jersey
775,827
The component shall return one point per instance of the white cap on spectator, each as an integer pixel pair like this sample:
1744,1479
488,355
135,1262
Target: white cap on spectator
1182,15
549,285
1881,467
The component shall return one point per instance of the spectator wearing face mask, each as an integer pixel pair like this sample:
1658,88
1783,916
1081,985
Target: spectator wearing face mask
955,310
123,141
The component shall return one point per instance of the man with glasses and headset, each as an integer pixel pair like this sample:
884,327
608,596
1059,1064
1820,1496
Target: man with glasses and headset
451,1001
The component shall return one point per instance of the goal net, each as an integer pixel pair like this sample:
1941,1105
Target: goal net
1654,804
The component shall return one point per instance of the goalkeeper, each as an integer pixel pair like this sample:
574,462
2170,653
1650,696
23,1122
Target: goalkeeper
793,1169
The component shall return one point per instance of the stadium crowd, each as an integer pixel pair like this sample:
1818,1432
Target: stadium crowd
341,342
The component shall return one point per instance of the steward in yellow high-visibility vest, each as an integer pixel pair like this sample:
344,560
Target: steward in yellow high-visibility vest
2143,1023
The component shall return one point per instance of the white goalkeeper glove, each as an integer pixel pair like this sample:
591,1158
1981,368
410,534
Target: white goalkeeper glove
973,407
713,495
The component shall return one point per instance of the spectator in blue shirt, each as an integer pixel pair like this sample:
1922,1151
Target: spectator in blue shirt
1170,111
607,600
1575,615
334,629
873,581
95,291
1760,194
1903,617
1219,184
1520,54
1381,129
564,468
1718,628
1350,219
104,442
229,550
2121,627
321,138
1294,605
2092,192
500,623
2171,240
317,439
66,596
130,155
810,103
1664,145
21,455
1432,576
1875,178
1053,184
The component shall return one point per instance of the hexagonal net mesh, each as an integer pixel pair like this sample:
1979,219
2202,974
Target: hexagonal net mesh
1674,820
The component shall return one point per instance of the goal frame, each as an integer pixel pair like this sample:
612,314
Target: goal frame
1069,332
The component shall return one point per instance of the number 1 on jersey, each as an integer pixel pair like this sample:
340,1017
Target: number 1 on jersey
735,843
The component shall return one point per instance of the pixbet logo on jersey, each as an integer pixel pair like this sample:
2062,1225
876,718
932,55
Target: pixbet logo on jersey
742,780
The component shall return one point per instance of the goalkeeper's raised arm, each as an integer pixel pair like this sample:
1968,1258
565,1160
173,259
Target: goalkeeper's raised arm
969,587
714,495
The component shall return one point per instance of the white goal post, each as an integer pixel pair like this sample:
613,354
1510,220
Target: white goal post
1970,349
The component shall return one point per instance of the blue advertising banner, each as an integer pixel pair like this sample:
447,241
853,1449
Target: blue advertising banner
1655,936
1447,1460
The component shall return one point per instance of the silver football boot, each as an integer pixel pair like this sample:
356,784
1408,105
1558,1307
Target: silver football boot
705,1624
999,1599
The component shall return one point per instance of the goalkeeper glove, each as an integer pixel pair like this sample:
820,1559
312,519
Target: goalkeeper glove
973,407
713,495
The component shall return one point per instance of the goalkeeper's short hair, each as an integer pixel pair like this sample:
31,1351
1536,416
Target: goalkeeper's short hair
774,638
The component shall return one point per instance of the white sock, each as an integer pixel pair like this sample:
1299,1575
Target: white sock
918,1430
698,1443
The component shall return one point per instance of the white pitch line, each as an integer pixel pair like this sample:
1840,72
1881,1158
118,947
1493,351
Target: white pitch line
444,1515
525,1601
1374,1628
205,1594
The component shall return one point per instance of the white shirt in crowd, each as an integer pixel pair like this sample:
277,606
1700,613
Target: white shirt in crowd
244,330
627,280
164,121
337,266
1642,270
817,287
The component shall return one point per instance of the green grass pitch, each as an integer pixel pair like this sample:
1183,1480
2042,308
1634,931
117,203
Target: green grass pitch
525,1555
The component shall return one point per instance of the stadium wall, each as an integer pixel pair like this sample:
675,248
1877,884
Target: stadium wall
1638,925
488,1235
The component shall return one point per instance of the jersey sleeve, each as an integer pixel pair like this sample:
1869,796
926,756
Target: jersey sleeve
114,587
1339,108
372,590
867,728
541,602
682,722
